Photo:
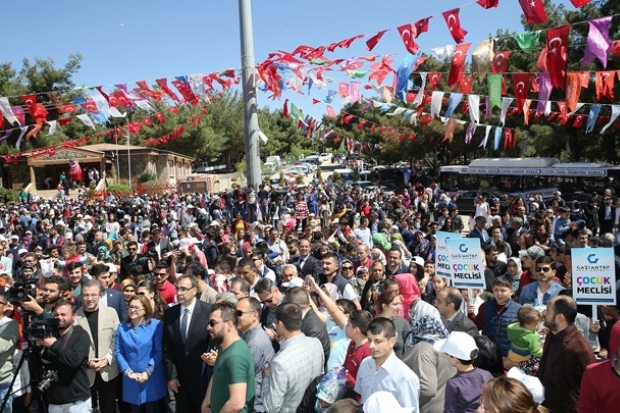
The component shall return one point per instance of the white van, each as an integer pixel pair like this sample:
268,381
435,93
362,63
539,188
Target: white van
274,160
346,174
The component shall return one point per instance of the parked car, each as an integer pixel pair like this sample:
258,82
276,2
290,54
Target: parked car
465,202
325,157
313,159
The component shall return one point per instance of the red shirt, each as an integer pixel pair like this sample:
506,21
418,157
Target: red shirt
354,359
168,292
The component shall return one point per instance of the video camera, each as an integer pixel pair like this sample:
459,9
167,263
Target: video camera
42,329
20,291
49,377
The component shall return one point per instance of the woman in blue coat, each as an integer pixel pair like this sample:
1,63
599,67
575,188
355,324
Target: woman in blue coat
139,355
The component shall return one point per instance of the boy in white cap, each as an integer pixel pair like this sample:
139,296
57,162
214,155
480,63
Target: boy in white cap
463,391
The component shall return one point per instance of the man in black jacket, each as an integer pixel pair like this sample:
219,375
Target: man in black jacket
185,340
67,355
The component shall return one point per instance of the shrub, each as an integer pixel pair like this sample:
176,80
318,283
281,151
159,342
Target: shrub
147,176
9,195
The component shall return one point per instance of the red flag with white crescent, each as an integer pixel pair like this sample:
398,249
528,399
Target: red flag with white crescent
407,34
458,60
521,85
454,25
372,42
500,62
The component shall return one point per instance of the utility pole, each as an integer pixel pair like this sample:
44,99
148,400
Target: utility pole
254,175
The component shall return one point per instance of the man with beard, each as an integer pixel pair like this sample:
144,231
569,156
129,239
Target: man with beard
232,387
68,356
53,290
566,355
185,340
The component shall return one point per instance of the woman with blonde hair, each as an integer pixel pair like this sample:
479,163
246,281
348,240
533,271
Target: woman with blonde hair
506,395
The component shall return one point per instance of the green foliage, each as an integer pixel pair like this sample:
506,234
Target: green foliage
337,178
299,179
147,176
118,188
9,195
319,175
282,182
356,174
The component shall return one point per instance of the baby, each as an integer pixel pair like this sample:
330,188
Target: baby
524,338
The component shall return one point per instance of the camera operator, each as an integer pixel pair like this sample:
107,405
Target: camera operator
67,355
54,289
9,337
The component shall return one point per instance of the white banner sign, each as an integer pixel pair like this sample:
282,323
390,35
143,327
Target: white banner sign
442,266
594,276
466,263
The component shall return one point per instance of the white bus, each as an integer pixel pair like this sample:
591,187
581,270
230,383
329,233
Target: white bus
528,176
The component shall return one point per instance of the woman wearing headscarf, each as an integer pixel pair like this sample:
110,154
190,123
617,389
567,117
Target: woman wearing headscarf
514,271
420,245
432,368
409,291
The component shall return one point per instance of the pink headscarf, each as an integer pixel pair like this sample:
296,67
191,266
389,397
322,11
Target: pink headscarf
409,291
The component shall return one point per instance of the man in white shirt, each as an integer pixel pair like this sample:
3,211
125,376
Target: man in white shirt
383,371
362,232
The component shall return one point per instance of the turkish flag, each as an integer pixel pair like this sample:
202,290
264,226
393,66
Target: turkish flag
615,47
458,60
500,62
330,112
579,3
147,121
433,80
488,4
454,25
31,103
605,85
407,34
163,85
421,26
557,41
160,118
90,106
68,108
466,84
534,11
372,42
521,85
118,98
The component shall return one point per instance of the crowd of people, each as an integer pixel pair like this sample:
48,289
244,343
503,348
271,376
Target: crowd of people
319,299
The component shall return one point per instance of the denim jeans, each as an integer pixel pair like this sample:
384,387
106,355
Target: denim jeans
4,389
75,407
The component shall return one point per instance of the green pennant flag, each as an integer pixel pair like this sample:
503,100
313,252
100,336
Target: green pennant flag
527,41
295,112
319,62
357,74
494,82
342,148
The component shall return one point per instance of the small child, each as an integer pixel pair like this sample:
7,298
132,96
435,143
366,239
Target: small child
463,391
524,339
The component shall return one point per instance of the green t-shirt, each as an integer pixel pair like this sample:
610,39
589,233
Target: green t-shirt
233,365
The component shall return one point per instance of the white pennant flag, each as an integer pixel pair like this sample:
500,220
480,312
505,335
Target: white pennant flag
86,120
579,106
53,124
548,108
414,118
474,108
5,108
115,113
143,104
263,137
442,53
377,104
420,96
436,100
506,102
486,137
615,112
23,129
397,111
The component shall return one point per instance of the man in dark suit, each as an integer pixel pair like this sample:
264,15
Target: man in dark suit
479,231
185,340
449,302
158,243
306,263
607,216
109,297
566,355
130,260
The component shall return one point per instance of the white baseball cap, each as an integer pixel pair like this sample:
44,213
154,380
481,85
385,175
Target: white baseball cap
459,345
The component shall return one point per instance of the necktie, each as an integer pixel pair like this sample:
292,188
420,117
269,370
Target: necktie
302,261
184,321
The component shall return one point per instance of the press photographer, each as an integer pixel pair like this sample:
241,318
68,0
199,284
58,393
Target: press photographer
65,363
54,289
